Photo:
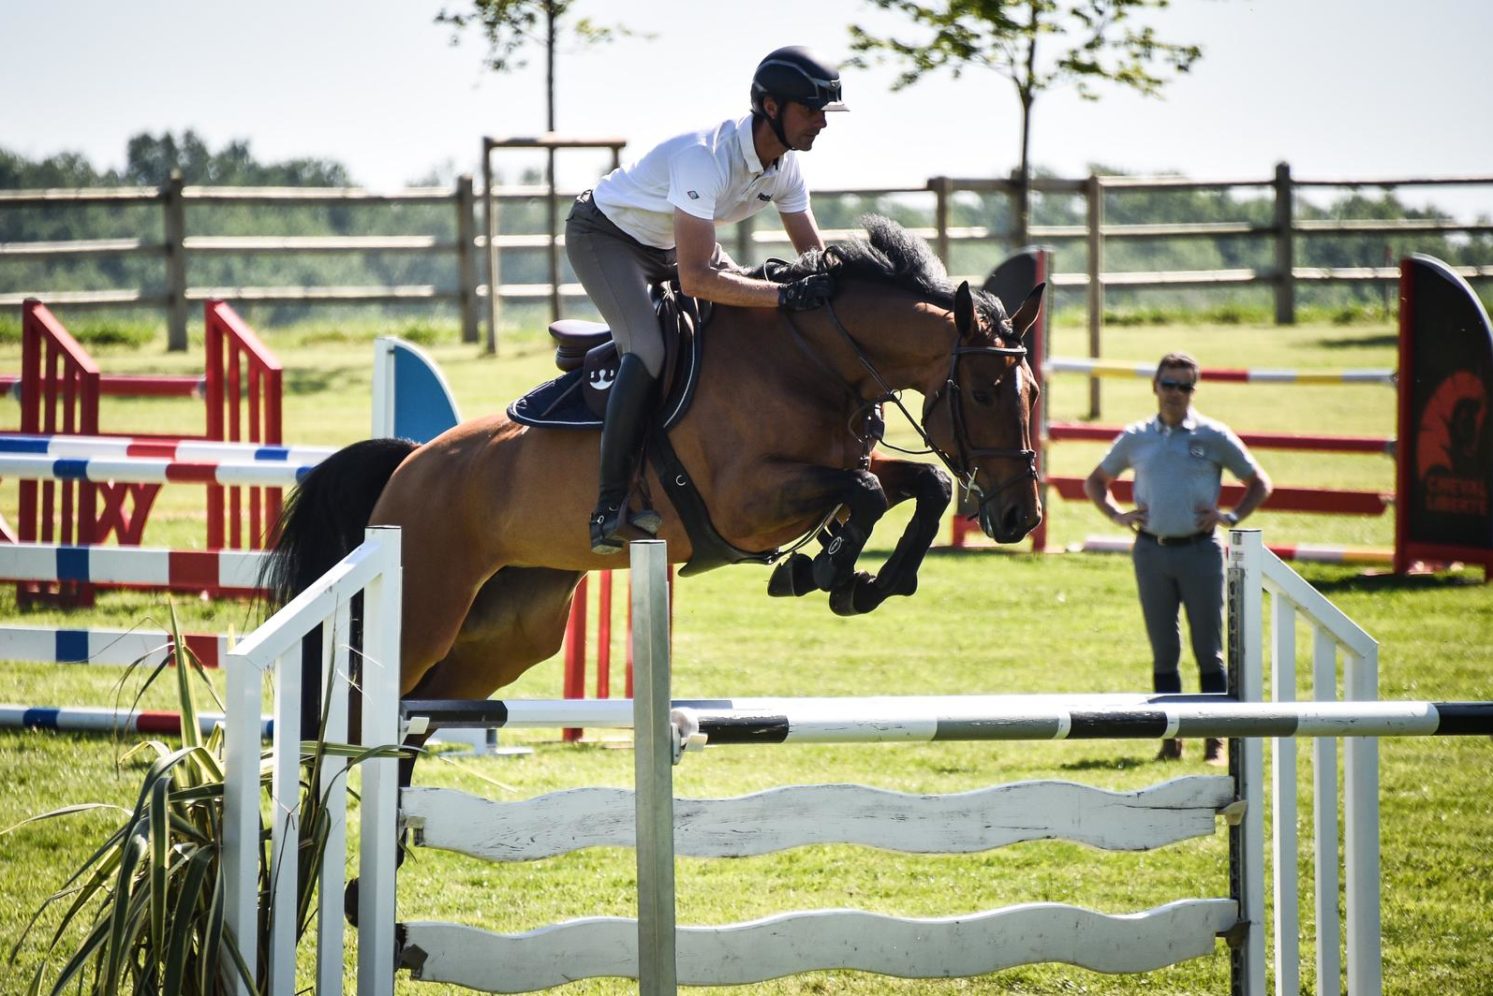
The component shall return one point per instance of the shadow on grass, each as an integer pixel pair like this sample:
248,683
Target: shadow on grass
1387,582
1362,342
1021,550
300,381
1107,763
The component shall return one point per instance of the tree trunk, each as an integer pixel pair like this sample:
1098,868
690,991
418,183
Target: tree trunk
1025,88
549,65
1024,179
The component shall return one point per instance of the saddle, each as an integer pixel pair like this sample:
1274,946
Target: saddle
587,354
577,400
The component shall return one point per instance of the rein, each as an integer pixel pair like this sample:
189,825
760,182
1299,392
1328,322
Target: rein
959,466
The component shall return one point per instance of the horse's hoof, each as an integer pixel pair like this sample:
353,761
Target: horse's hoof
794,576
856,597
350,903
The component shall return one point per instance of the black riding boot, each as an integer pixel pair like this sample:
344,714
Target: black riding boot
628,408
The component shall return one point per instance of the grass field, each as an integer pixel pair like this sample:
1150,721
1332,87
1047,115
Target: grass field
982,622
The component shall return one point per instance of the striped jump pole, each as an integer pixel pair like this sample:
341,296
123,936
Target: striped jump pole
149,567
1310,552
854,722
182,450
139,470
68,719
1145,371
122,647
924,719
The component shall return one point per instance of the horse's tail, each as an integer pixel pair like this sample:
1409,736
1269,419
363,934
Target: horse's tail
325,517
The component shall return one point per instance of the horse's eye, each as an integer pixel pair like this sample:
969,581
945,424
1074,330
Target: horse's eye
983,397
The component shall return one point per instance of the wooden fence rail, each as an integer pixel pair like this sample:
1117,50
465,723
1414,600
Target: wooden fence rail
476,249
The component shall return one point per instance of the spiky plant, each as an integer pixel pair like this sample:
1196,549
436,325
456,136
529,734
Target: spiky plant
145,912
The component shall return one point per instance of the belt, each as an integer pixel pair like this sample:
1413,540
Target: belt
1201,537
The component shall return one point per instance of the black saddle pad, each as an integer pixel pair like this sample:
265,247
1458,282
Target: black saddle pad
561,403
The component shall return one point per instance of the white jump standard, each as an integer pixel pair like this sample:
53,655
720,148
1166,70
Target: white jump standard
661,955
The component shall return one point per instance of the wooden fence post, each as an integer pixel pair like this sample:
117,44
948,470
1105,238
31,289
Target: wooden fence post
1285,253
1095,196
490,229
176,263
744,246
466,255
553,203
941,186
1021,209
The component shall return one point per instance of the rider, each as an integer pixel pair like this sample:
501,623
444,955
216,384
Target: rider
655,219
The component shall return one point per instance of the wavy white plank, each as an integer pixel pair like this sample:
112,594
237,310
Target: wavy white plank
789,943
794,816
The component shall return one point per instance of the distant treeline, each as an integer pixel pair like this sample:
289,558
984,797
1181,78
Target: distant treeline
151,159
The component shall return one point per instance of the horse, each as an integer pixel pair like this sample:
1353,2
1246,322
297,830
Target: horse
780,439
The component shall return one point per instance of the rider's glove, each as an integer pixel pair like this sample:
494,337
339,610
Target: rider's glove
813,291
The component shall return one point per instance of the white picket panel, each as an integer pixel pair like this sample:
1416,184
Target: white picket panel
799,815
790,943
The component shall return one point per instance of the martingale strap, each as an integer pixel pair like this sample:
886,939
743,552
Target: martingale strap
709,549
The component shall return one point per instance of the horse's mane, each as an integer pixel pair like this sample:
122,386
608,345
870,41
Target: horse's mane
891,255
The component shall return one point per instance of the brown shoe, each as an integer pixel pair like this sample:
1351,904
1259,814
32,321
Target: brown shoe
1171,750
1214,753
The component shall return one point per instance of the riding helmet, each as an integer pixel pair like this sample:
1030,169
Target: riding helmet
793,73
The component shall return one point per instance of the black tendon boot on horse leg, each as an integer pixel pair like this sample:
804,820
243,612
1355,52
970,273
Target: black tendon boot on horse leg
628,408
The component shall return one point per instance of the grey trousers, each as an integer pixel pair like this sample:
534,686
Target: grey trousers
617,270
1187,577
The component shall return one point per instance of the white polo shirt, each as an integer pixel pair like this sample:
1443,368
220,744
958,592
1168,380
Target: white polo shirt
712,174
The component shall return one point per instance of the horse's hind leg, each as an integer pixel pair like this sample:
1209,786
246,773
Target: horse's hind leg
517,620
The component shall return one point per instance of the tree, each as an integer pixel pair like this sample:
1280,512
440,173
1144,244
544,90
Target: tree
510,24
1103,45
150,160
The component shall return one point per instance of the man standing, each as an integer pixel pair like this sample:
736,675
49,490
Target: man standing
1178,458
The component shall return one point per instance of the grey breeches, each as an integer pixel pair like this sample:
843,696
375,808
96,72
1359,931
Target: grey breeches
617,271
1187,577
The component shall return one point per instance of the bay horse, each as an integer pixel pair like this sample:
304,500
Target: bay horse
779,439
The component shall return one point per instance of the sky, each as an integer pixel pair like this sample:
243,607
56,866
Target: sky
1366,89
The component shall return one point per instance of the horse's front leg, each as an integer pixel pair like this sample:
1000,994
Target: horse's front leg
859,493
931,490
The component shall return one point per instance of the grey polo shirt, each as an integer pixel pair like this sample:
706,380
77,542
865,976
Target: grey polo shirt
1177,470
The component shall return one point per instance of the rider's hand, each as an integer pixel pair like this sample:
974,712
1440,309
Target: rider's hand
813,291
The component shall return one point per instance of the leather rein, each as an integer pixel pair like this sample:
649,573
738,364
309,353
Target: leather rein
960,465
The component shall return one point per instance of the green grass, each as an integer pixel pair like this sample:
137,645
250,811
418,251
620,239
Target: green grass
983,622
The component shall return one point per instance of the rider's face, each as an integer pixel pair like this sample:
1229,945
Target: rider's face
802,125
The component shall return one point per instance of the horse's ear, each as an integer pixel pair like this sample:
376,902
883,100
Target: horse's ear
964,309
1026,315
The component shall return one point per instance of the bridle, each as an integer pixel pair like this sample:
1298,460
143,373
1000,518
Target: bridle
962,465
959,464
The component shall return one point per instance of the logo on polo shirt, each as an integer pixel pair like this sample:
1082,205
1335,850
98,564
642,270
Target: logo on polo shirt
764,197
692,195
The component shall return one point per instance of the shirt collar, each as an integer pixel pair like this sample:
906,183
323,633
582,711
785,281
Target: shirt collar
749,147
1189,422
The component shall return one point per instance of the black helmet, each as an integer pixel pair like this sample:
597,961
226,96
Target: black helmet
793,73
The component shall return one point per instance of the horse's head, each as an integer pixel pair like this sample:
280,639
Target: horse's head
981,417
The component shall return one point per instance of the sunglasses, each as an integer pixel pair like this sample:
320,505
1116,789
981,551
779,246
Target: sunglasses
1185,386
